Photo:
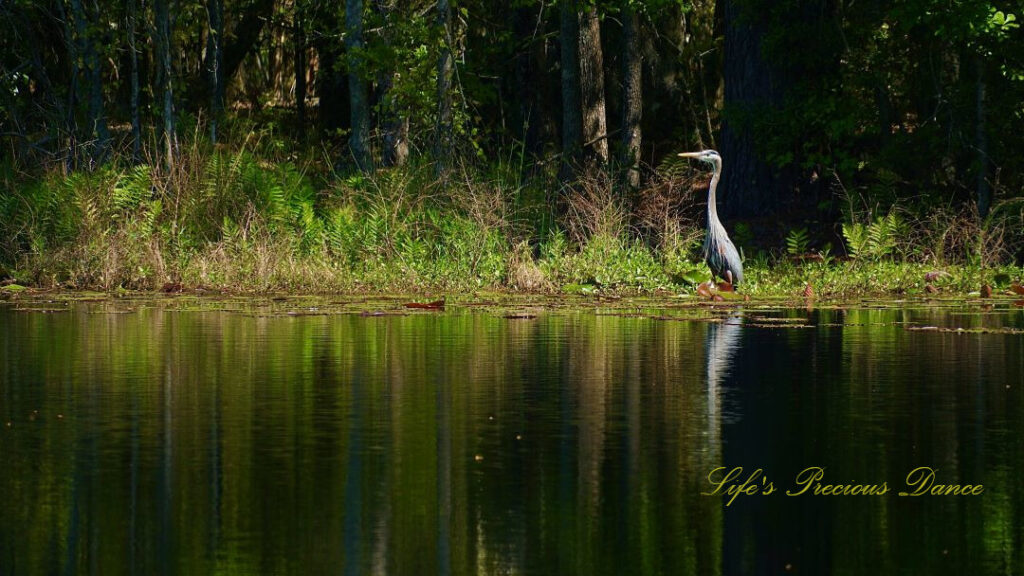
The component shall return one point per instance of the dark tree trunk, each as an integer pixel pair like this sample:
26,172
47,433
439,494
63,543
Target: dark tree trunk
165,78
246,34
394,125
359,101
71,124
215,62
134,105
595,123
98,133
330,84
593,107
632,96
984,188
299,39
528,81
572,119
748,183
443,129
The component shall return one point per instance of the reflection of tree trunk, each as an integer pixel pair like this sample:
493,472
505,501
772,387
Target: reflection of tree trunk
443,129
984,189
595,129
358,142
632,105
572,120
353,530
444,477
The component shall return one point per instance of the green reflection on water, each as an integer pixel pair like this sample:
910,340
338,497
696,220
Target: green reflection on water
465,443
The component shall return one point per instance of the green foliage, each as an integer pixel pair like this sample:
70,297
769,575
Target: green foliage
797,241
881,238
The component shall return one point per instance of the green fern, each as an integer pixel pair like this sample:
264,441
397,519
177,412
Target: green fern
856,237
797,242
131,189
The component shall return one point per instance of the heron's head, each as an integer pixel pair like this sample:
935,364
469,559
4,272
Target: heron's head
709,156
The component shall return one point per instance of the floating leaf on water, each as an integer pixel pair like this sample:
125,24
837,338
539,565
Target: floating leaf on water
725,287
435,305
986,291
808,290
1017,289
704,289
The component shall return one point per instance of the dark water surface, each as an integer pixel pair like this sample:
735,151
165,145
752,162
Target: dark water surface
199,442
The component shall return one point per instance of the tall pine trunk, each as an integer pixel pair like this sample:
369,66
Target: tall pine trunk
98,134
595,126
165,79
443,138
359,100
215,62
572,119
528,81
632,96
984,188
394,124
133,22
299,41
747,181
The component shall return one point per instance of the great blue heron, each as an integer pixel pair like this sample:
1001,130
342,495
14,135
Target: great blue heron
719,252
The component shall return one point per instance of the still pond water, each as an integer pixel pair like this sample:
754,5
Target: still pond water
161,440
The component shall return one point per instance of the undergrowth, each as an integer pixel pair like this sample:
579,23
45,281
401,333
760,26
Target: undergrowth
229,220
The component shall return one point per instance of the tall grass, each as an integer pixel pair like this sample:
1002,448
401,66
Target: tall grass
229,218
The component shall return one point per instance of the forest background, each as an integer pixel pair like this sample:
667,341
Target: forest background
456,145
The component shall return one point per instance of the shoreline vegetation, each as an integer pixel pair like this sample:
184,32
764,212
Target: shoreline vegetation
288,146
250,220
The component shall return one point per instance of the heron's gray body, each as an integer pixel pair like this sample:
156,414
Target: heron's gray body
719,252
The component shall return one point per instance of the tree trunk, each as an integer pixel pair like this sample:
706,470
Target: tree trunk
632,96
215,62
595,127
984,188
165,78
246,33
299,39
748,184
572,119
359,101
528,81
134,105
331,85
394,124
443,130
98,134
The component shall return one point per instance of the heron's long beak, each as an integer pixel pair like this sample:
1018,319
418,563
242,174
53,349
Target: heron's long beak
689,154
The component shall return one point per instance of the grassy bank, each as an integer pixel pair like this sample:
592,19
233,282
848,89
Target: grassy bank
233,221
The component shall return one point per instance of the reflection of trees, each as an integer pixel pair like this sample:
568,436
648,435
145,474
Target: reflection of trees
467,443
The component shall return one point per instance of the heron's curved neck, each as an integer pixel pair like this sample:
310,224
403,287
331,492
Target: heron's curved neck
712,202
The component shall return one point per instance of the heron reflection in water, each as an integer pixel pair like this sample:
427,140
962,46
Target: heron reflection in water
720,347
719,252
